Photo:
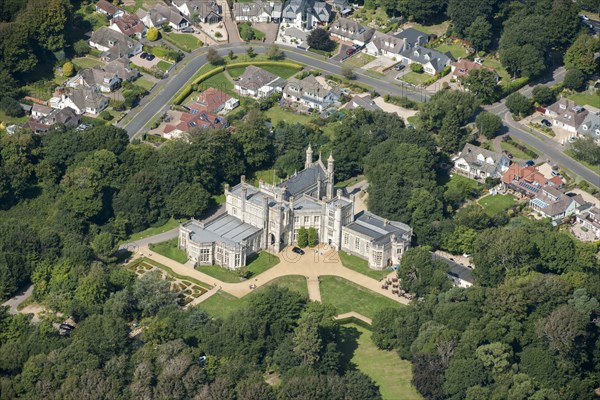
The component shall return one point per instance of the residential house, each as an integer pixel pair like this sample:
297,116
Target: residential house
257,11
551,202
310,93
211,100
306,14
129,25
590,219
528,180
257,83
81,99
382,44
478,163
350,30
160,15
566,114
343,7
39,111
107,78
109,9
178,123
270,217
413,38
363,102
114,44
42,123
590,127
463,67
432,60
207,11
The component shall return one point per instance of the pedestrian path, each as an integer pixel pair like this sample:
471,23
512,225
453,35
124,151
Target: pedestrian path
354,314
204,297
314,292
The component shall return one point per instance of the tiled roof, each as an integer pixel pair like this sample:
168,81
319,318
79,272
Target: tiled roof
129,24
463,66
254,78
107,6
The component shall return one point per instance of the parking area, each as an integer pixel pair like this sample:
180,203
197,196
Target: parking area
269,29
539,120
341,55
137,60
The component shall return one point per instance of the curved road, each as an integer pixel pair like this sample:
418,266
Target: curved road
168,88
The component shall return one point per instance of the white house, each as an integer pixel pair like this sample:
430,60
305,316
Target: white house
310,93
351,31
161,14
432,60
257,11
382,44
567,115
306,14
478,163
82,100
207,11
257,83
114,44
109,9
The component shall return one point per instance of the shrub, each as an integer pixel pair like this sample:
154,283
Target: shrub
302,237
11,107
543,95
218,34
81,48
165,53
246,31
488,124
401,101
214,57
348,73
68,69
312,237
519,104
418,68
320,39
574,79
105,115
152,34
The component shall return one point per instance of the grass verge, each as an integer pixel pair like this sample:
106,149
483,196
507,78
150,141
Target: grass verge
362,266
155,230
170,249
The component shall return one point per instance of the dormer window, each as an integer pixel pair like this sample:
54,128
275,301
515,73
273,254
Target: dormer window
111,42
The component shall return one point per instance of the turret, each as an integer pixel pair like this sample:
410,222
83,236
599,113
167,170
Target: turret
330,177
309,157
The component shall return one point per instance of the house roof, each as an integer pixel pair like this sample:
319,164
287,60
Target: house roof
481,158
84,97
186,121
66,116
591,126
528,179
107,7
225,229
361,102
211,100
305,179
351,29
256,8
378,229
567,112
120,67
413,37
389,43
423,55
110,38
463,66
254,78
40,109
309,89
129,24
161,14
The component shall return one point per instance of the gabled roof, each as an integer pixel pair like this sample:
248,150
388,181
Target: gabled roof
389,43
86,98
351,29
107,7
361,102
463,66
210,100
480,157
129,24
305,179
161,14
254,78
423,55
110,38
413,36
568,112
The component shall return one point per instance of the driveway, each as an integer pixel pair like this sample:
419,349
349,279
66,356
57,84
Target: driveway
142,62
17,299
391,108
339,57
270,30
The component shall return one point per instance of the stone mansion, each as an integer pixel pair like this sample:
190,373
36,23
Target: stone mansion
269,216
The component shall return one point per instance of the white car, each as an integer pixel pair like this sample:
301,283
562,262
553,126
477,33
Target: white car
585,18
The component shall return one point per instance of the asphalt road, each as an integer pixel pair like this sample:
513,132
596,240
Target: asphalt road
20,297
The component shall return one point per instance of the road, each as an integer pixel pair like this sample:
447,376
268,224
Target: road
16,300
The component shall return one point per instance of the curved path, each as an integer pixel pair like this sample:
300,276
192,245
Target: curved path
312,265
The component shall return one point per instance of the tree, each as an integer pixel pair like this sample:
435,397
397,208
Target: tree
425,11
460,105
11,107
348,73
319,39
479,33
465,13
488,124
302,237
428,375
256,140
519,104
561,23
581,54
250,52
416,67
575,80
68,69
307,342
523,45
312,237
274,52
152,293
104,245
81,48
188,200
461,374
563,330
213,56
231,55
246,31
152,34
420,274
586,150
460,241
495,356
92,290
543,95
483,84
105,115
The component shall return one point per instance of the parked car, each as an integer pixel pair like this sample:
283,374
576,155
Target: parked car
150,57
547,123
400,67
350,51
555,173
144,55
187,30
509,155
297,250
530,163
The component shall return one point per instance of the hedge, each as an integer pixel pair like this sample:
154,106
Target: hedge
514,85
185,92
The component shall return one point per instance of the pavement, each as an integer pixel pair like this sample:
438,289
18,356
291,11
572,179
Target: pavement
161,237
17,299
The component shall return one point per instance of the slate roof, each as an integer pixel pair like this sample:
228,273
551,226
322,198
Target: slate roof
389,43
161,14
66,116
120,67
378,229
110,38
361,102
413,37
304,180
567,112
423,55
473,154
591,126
307,203
86,98
226,229
351,30
254,78
202,7
309,89
41,109
253,195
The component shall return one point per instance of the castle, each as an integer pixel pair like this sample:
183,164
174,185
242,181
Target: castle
271,215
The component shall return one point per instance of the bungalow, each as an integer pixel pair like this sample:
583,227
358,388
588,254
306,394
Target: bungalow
432,60
478,163
207,11
555,204
590,127
129,25
82,100
413,37
39,111
382,44
107,78
590,220
352,31
66,116
463,67
114,44
528,180
310,93
109,9
257,11
211,100
306,14
363,102
180,123
160,15
566,114
258,83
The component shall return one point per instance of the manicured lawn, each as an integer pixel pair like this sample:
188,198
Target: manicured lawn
455,49
390,373
359,60
347,296
163,65
236,72
257,266
222,304
277,114
439,29
493,205
154,230
500,70
366,15
144,83
184,41
515,152
469,185
359,265
415,78
326,53
258,35
86,62
586,98
219,81
351,181
170,249
173,274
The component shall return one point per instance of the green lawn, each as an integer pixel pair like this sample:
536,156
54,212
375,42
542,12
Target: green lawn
367,15
86,62
456,50
280,70
236,72
347,296
413,120
493,205
350,181
469,185
359,60
326,53
514,151
267,175
219,81
145,84
163,65
219,199
415,78
439,29
359,265
184,41
390,373
170,249
277,114
6,120
497,66
155,230
222,304
586,98
258,35
259,264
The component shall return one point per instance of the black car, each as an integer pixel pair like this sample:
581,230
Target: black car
150,57
297,250
144,55
547,123
400,67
